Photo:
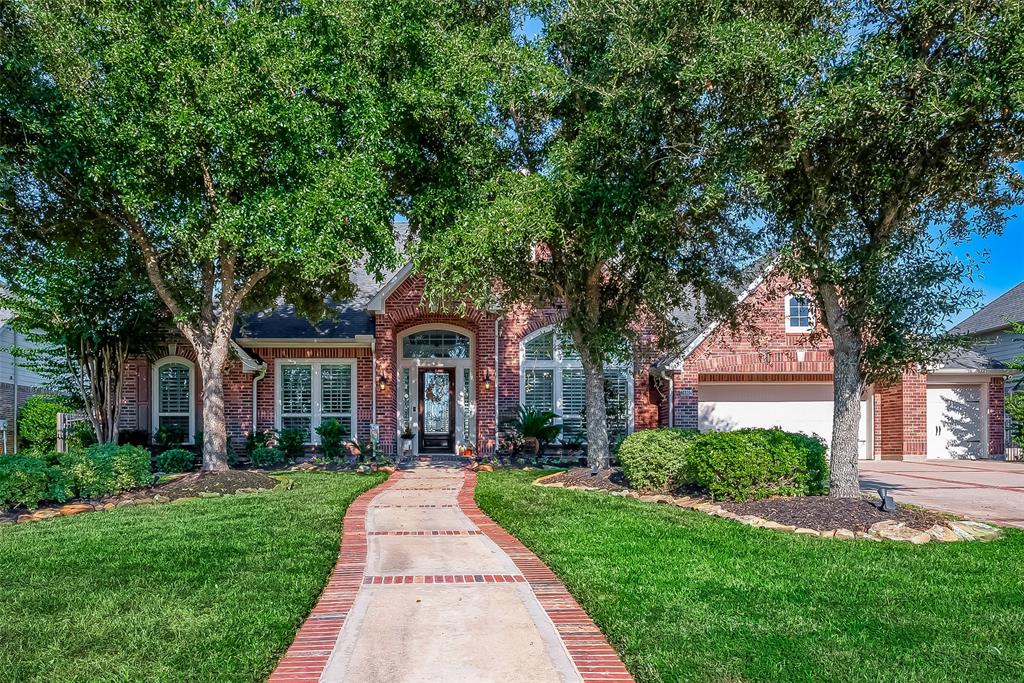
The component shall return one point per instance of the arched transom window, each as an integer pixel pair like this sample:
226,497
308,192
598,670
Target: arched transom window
435,344
552,379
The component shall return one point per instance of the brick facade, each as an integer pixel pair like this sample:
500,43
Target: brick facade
761,350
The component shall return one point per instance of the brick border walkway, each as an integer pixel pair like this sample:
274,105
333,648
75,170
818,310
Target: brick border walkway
307,656
594,658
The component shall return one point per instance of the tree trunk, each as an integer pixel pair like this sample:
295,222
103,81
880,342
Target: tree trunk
215,437
598,451
847,387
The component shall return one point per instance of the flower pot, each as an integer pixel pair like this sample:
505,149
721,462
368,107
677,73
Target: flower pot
531,445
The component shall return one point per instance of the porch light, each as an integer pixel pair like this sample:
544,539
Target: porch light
382,381
487,380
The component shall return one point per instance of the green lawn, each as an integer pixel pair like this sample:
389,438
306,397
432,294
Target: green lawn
208,590
687,597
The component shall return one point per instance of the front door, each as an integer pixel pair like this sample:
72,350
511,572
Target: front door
437,410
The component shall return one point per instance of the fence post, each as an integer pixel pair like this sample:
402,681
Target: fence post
62,430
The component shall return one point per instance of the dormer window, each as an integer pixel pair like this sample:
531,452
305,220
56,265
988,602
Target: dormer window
799,316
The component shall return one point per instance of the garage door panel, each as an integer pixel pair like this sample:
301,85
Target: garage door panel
955,422
793,407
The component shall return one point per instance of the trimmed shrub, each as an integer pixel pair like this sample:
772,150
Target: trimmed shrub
757,463
29,481
258,439
176,460
333,435
655,459
37,421
266,456
106,469
292,442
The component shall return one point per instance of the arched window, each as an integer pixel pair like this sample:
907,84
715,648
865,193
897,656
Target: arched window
174,397
552,379
435,344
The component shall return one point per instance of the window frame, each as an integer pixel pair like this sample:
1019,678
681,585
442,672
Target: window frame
156,414
561,362
787,311
316,415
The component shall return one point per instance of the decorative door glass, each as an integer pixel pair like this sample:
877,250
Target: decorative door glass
436,402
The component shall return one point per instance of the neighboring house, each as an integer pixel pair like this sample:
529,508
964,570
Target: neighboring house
990,326
17,383
386,359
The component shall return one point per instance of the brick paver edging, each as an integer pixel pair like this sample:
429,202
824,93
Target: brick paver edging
307,656
590,652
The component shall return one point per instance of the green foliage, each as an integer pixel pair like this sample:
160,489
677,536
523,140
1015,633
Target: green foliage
333,438
536,424
757,463
28,481
266,456
292,442
258,439
170,436
106,469
37,421
176,460
655,459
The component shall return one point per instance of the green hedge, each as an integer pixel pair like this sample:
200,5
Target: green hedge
28,481
176,460
655,459
37,421
106,469
757,463
266,456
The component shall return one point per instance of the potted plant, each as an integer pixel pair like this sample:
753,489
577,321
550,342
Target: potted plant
537,428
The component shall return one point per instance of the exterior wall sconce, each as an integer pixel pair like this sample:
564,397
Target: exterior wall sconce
487,380
382,381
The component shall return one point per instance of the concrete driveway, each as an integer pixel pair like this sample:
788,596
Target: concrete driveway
985,490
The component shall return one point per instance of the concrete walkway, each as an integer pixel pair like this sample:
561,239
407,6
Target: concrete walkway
428,588
984,490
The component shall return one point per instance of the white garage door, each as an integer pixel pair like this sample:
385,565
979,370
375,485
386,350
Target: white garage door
954,422
794,407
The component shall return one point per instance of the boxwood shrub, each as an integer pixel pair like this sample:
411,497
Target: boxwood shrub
757,463
266,456
176,460
106,469
28,481
655,459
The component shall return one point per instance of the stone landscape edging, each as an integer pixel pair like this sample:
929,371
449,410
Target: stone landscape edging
886,530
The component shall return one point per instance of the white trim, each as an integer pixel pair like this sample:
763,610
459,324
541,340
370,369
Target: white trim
560,363
155,413
376,304
316,416
463,399
359,341
798,329
677,364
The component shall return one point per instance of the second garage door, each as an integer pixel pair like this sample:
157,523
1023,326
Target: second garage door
795,407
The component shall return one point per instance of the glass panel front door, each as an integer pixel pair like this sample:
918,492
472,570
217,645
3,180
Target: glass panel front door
437,410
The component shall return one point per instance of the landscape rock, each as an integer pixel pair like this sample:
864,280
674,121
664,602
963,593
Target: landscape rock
48,513
485,468
209,494
845,534
144,501
975,530
25,518
803,531
247,490
185,499
127,502
75,509
158,498
107,507
943,533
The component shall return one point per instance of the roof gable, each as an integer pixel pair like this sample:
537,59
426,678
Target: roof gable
1003,310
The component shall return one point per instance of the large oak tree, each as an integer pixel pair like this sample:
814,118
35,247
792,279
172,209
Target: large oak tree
248,149
902,138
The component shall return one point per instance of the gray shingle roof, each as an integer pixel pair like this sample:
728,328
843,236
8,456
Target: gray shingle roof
350,316
999,313
970,360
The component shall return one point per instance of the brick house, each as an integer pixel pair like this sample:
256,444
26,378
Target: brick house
387,362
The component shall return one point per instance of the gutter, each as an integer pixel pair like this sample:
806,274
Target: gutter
250,364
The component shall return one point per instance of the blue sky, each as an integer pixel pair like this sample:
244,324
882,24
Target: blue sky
1001,260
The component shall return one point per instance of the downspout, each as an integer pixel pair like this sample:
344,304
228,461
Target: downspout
373,383
261,372
14,377
497,332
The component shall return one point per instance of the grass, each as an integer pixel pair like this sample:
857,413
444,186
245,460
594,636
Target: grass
688,597
206,590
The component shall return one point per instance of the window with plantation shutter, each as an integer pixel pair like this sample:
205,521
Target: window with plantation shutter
311,393
174,394
539,389
552,379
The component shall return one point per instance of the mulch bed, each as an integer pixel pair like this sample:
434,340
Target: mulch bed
824,514
225,483
609,480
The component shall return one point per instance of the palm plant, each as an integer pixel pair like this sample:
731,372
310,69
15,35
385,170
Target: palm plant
537,426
